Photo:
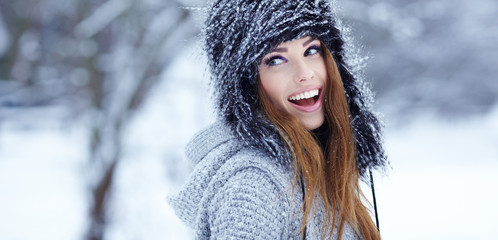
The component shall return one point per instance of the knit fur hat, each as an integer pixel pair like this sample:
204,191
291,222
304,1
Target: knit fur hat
238,33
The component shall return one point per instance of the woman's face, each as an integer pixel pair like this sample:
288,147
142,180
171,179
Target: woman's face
293,75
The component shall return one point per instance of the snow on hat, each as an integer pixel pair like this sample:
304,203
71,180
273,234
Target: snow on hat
238,33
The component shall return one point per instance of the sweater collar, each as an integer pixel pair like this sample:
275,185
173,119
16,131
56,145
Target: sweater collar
206,140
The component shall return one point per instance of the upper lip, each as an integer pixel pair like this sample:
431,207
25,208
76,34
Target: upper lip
305,93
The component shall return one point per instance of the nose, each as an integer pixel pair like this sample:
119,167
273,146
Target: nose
303,71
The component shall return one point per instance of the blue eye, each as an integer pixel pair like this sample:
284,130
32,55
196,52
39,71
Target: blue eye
276,60
312,50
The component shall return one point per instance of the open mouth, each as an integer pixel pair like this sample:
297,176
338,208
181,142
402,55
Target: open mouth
306,99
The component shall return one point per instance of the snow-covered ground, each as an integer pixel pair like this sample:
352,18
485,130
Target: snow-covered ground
41,192
441,184
443,180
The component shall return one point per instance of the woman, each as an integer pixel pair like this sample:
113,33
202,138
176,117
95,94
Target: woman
294,133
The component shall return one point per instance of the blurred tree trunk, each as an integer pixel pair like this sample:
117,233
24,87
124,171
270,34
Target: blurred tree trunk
138,53
100,59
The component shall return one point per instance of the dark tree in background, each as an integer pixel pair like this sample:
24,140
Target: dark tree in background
97,58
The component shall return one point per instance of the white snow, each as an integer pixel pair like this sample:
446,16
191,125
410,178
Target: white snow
41,193
442,181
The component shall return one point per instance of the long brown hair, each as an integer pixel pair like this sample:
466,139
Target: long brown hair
328,169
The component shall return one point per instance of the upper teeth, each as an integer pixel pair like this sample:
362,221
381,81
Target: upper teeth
305,95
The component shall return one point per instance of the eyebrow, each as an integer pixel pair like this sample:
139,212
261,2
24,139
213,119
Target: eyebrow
308,41
285,49
279,50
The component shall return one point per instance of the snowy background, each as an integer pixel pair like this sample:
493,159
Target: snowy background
98,99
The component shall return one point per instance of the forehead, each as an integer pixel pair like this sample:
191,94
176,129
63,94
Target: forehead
300,41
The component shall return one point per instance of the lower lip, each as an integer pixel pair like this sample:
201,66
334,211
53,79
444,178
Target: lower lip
311,108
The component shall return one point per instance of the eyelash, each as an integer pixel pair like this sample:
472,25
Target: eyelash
270,61
317,48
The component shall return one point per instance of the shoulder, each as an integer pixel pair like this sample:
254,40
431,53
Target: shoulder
253,167
250,169
279,170
218,149
236,190
252,199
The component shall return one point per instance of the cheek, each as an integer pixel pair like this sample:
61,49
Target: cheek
321,71
274,88
273,92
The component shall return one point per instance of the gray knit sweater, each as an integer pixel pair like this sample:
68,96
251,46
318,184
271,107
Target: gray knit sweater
238,192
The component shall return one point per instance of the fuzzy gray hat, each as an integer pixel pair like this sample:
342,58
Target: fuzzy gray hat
238,33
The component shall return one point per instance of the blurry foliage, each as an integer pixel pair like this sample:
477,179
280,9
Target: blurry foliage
438,56
53,50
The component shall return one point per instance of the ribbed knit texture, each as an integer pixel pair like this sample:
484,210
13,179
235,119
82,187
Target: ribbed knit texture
241,192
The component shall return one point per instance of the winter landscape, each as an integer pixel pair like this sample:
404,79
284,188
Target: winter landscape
102,98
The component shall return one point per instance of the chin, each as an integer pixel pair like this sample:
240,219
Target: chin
312,124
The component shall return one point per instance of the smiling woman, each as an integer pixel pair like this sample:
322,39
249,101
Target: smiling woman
293,76
294,133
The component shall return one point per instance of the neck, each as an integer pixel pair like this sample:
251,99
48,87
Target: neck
321,135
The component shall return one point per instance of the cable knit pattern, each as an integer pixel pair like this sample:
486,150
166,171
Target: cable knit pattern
239,192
